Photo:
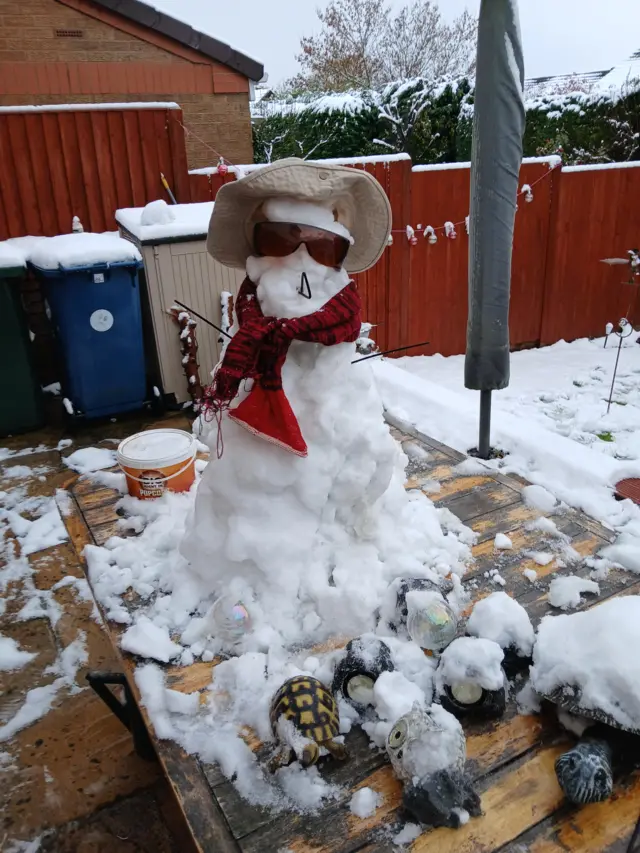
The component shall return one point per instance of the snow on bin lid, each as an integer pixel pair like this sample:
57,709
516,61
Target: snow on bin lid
11,256
74,250
160,222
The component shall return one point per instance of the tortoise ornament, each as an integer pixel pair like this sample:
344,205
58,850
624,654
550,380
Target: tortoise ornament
304,717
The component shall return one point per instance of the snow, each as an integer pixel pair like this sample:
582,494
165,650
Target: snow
530,574
565,592
408,833
365,802
90,459
54,388
159,221
157,213
542,558
598,167
125,105
394,695
12,656
304,213
75,250
551,160
551,422
44,531
471,659
540,498
500,618
149,641
156,445
502,542
595,652
10,257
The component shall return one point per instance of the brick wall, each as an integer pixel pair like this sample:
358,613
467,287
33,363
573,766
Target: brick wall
38,67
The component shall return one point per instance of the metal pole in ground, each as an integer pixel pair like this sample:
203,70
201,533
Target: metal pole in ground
496,155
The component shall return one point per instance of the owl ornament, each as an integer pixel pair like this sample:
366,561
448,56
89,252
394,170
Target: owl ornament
427,750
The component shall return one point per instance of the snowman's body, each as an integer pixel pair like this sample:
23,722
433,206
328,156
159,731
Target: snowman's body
310,540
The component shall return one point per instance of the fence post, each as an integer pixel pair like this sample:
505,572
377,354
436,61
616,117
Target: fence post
550,266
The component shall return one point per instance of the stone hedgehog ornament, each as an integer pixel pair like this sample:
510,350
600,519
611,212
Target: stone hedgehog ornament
427,750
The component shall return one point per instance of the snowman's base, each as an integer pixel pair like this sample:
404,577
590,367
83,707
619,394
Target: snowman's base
522,748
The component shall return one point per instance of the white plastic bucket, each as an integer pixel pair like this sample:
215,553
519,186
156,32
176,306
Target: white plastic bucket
156,460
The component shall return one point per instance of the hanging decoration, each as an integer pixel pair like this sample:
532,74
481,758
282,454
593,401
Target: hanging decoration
430,233
223,169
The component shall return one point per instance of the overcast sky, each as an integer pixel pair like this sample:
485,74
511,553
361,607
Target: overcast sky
560,36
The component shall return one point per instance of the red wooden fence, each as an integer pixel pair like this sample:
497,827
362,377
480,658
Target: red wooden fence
57,163
86,162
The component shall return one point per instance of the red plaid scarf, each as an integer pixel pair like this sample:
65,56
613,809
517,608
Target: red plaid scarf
259,349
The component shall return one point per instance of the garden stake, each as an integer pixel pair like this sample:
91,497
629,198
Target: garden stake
622,325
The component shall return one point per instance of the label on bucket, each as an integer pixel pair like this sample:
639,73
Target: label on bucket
152,484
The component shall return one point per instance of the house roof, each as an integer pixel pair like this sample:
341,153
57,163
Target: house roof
148,16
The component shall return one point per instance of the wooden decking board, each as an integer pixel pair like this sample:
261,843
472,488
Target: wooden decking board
512,759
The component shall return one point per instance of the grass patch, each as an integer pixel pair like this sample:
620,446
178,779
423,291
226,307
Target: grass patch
605,436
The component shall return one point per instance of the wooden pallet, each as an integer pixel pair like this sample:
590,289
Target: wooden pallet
511,760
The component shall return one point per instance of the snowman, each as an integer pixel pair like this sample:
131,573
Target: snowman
302,512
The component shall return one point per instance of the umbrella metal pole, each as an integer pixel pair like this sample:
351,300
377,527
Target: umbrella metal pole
484,442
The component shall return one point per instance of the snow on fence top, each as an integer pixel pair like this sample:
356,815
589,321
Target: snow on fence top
158,221
10,257
241,171
73,250
596,167
54,108
552,160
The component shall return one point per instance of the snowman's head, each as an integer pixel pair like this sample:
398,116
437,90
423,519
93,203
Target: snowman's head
299,250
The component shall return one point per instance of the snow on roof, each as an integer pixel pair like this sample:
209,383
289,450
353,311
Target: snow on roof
184,220
10,257
74,250
621,80
125,105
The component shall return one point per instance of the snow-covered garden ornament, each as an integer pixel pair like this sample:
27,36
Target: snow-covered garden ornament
304,716
450,230
362,663
231,620
222,168
470,681
591,671
427,750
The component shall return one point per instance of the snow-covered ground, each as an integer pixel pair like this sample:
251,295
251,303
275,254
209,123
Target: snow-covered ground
551,422
563,388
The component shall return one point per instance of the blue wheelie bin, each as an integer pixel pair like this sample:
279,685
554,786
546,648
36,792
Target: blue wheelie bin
96,312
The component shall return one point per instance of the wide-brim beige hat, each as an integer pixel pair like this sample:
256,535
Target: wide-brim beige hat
358,201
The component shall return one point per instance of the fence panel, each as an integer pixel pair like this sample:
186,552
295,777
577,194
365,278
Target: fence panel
439,271
595,217
85,162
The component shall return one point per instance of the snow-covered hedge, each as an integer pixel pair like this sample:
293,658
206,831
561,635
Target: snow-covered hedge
433,123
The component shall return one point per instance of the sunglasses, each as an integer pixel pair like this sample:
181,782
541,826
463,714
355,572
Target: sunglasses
279,239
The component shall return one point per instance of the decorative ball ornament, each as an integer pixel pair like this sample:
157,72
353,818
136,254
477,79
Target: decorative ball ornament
223,169
411,235
231,619
528,194
450,231
365,659
430,234
433,626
